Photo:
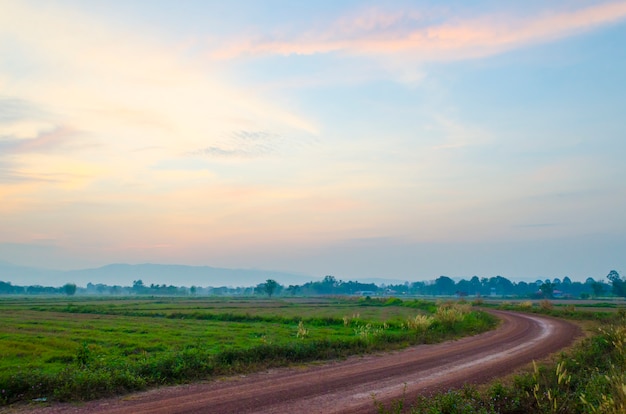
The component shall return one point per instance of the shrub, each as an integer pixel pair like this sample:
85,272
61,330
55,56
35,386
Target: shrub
302,331
525,305
419,322
546,305
393,302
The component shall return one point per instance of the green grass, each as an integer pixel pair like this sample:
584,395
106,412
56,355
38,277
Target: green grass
81,349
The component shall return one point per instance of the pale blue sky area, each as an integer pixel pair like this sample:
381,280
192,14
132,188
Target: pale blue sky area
402,139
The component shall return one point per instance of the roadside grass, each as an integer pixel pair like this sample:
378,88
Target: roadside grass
62,350
588,378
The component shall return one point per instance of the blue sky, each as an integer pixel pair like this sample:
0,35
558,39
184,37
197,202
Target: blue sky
360,139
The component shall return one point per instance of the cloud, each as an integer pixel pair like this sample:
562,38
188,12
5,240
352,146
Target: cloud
424,38
121,83
14,109
93,105
243,144
44,142
536,225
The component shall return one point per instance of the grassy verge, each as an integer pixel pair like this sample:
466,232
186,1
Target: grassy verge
60,351
589,378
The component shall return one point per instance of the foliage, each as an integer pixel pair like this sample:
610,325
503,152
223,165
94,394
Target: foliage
619,285
547,290
546,305
420,322
69,289
330,285
302,331
270,287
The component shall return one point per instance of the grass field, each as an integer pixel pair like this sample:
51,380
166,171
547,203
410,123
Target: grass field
85,348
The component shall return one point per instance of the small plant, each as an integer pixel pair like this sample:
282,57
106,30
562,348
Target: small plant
363,331
569,308
555,397
83,355
525,305
614,401
302,331
546,305
478,302
419,322
393,302
452,313
367,331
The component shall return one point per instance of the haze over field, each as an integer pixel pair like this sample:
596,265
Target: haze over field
397,139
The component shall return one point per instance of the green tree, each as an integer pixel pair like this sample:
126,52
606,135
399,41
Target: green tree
293,289
619,286
270,287
69,289
597,289
138,286
445,286
547,289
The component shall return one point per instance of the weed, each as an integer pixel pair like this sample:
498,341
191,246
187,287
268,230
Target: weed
546,305
525,305
83,355
420,322
302,331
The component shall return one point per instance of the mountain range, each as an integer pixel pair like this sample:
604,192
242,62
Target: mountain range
124,275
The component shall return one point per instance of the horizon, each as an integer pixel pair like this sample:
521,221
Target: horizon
358,139
185,279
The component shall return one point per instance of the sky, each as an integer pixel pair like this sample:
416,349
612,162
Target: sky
395,139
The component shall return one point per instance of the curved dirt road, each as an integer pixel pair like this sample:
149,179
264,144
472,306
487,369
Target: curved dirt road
348,386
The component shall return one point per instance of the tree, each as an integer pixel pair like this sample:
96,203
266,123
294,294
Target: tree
270,287
138,286
69,289
547,289
445,286
597,289
619,286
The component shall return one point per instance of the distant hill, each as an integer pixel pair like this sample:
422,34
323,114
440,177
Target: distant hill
22,275
125,274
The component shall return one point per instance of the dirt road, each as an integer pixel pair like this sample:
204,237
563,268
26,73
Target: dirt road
349,386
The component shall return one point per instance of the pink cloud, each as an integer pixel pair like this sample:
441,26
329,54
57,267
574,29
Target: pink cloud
376,32
44,142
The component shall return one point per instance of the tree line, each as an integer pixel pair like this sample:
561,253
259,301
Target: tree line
330,285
